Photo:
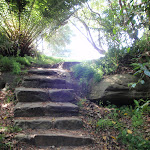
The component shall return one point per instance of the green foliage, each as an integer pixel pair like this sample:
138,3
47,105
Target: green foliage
23,21
142,106
109,63
115,24
142,69
83,71
23,60
133,141
16,67
87,70
5,44
12,64
7,129
142,45
129,133
81,102
4,145
137,120
6,64
105,123
96,69
15,64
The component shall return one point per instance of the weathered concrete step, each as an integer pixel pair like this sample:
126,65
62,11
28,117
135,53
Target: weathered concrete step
42,95
34,109
68,123
37,81
55,139
49,72
44,71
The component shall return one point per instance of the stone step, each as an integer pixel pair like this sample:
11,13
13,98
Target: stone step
44,71
43,95
55,138
36,109
68,123
49,72
37,81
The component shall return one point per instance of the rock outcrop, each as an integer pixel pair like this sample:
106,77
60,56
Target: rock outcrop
115,89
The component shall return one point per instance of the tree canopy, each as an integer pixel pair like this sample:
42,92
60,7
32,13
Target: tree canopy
22,21
113,23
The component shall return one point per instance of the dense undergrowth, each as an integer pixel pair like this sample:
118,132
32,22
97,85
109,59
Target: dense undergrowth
130,123
125,127
16,64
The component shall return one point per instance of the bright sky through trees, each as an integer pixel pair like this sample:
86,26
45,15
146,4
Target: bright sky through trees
81,48
117,27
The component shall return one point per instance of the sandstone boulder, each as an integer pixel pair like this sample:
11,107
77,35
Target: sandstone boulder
115,89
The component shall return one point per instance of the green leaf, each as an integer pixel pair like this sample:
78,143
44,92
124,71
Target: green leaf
114,31
136,103
142,81
128,49
146,72
133,85
139,71
121,12
114,38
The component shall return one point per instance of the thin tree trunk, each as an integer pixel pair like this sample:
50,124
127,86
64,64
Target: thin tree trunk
101,51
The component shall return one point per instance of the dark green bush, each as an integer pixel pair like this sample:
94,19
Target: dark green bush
133,141
23,60
83,71
6,64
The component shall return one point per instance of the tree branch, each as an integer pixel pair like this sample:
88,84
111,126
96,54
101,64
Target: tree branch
101,51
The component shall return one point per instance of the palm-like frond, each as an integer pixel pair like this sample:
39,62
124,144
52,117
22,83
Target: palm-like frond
22,36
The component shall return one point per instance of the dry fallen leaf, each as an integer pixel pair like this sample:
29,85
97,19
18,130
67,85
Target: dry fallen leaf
104,137
113,137
129,131
113,122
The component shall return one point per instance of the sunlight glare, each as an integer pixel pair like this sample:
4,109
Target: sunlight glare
82,49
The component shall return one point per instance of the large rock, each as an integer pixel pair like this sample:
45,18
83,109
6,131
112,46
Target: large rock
115,89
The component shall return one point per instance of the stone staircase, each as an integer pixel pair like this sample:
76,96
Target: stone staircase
47,110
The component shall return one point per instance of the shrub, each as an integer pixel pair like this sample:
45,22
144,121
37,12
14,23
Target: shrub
15,64
23,60
105,123
83,71
133,141
16,67
6,64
